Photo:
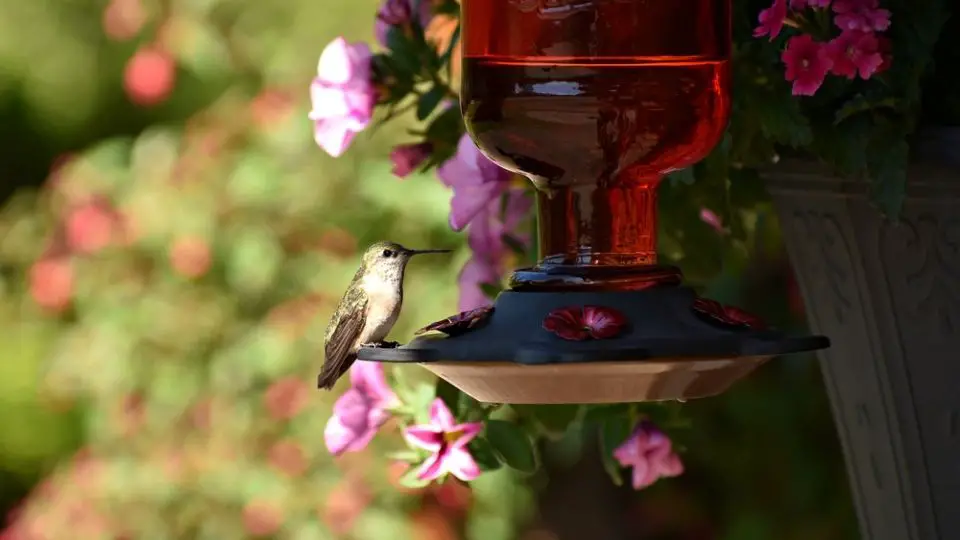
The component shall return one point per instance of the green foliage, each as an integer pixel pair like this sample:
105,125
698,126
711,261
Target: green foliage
512,445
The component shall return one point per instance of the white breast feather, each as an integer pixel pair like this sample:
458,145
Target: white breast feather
383,308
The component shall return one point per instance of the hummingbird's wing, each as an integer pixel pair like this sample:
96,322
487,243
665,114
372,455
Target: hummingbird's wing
340,340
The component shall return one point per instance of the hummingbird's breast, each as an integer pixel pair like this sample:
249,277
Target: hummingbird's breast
383,308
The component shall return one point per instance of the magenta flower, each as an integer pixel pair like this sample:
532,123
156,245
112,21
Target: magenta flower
771,20
798,5
862,15
855,51
476,182
400,13
807,64
407,157
342,94
712,219
650,452
360,411
448,443
485,237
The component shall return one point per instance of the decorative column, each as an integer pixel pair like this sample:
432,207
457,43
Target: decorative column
888,296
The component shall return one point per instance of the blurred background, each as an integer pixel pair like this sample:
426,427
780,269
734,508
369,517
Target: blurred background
172,244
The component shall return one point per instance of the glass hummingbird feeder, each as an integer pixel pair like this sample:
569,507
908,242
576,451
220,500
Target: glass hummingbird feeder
594,101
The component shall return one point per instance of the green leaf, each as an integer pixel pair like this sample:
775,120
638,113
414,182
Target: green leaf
406,456
613,432
888,168
491,290
512,444
683,176
483,453
429,101
410,480
552,420
860,104
403,54
595,414
450,395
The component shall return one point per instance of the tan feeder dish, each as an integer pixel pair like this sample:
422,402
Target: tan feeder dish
595,101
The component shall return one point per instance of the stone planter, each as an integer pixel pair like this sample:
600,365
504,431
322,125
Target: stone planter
888,296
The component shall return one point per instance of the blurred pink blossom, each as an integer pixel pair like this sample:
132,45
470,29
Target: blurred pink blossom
650,452
123,19
344,504
262,518
51,283
90,227
400,13
712,219
853,52
476,182
289,457
863,15
286,398
190,256
343,95
407,157
802,4
447,441
149,76
360,411
771,20
807,64
485,238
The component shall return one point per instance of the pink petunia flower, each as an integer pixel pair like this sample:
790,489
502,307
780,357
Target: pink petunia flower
807,64
360,411
650,452
343,95
798,5
855,51
863,15
407,157
400,13
447,441
485,237
476,181
771,20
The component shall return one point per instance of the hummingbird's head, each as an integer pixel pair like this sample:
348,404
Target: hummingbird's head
387,260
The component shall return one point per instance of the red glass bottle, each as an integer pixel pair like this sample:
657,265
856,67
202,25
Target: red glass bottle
594,101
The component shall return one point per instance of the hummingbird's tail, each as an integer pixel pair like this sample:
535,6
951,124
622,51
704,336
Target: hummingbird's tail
333,370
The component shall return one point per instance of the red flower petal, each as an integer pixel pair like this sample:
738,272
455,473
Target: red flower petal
459,323
728,315
743,318
603,322
577,324
566,323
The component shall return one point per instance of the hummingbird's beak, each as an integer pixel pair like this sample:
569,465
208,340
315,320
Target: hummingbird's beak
424,251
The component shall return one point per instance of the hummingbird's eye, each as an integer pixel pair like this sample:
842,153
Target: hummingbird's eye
387,253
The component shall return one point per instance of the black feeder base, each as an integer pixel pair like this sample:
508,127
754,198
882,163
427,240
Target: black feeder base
663,343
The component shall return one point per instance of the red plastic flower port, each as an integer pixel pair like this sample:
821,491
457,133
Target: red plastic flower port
727,315
460,323
588,322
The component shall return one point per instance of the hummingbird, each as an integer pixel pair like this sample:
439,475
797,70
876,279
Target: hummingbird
368,310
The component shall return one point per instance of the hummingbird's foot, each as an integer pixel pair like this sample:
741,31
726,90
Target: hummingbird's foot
382,345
